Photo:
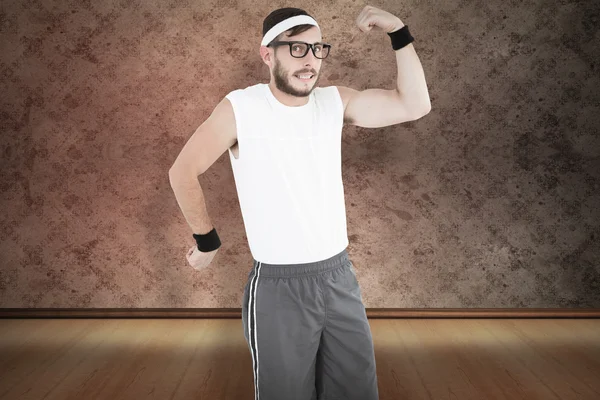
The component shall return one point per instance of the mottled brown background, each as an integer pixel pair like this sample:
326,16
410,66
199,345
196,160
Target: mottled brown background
491,200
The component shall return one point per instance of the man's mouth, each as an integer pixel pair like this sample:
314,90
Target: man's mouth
305,77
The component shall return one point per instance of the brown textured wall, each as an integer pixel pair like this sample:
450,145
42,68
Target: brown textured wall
491,200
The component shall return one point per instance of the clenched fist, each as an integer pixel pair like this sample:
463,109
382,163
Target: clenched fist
198,259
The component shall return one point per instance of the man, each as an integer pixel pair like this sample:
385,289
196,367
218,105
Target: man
302,312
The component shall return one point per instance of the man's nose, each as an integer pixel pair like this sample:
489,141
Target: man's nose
310,57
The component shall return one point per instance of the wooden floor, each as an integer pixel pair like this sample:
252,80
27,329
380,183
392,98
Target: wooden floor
460,359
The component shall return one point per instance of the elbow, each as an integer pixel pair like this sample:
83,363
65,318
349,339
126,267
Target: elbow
419,114
427,106
172,172
172,177
175,175
424,110
178,168
179,175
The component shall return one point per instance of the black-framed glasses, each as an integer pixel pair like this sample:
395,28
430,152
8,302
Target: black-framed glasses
300,49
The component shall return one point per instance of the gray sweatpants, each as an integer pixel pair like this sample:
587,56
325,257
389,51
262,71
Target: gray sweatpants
308,333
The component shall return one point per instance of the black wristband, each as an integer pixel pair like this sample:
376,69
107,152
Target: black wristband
401,38
208,242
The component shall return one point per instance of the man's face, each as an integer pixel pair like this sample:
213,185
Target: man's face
286,68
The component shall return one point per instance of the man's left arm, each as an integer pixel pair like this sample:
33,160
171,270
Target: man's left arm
411,84
409,100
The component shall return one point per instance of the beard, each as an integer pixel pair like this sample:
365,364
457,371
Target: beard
291,85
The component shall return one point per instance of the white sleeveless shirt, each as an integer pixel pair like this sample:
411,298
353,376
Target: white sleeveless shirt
289,174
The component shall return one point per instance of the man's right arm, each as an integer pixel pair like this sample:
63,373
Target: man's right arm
205,146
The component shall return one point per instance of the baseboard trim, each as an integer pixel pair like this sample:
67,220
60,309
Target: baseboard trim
237,313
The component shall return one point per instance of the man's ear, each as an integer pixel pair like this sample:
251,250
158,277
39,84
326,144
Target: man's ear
265,55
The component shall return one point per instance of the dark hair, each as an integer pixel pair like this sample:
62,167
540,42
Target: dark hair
282,14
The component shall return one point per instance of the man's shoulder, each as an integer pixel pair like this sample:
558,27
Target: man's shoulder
248,90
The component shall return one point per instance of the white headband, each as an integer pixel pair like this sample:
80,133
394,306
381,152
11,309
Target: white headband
285,25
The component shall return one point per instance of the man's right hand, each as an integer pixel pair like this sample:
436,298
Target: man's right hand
198,259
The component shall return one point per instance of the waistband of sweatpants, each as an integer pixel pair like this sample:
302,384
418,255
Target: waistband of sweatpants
290,270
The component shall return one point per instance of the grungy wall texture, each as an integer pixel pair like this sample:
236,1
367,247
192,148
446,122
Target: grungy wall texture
491,200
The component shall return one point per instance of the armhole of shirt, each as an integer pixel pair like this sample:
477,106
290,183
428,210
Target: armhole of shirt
231,96
339,102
